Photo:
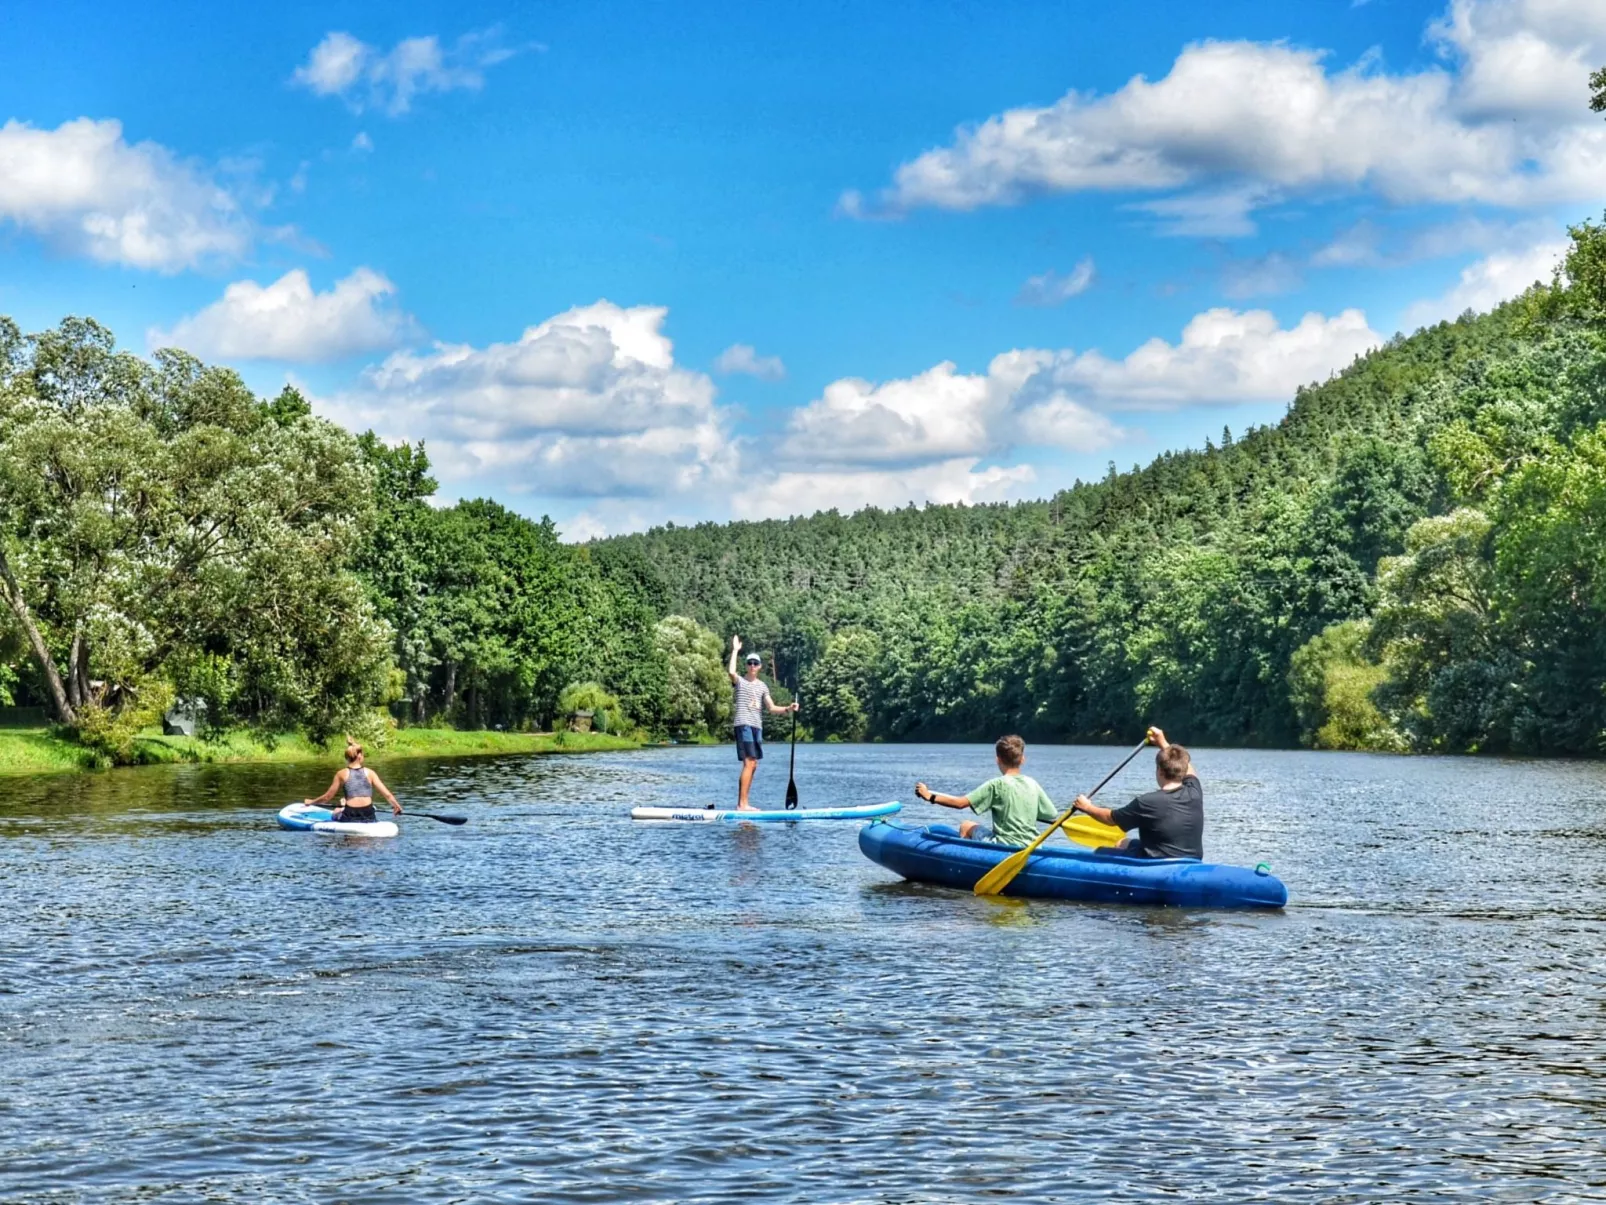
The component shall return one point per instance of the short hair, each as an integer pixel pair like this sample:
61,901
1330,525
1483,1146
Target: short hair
1172,761
353,751
1011,751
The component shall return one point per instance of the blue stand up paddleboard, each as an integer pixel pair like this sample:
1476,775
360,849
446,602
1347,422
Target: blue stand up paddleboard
309,818
938,854
713,815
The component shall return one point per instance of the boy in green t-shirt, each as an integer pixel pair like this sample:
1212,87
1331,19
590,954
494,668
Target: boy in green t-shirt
1017,804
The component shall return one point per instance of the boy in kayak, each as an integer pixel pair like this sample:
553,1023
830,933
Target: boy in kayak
359,784
1170,821
751,699
1015,802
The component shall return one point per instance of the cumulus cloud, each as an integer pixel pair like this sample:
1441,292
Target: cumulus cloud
366,77
87,191
288,321
1052,288
742,358
1488,282
1224,355
1235,126
589,403
1065,399
1522,58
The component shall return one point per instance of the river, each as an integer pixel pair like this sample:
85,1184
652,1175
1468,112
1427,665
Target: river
553,1003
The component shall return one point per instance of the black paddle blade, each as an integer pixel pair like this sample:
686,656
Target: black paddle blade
791,795
437,816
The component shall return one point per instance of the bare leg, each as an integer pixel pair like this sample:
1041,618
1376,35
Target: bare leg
966,827
748,767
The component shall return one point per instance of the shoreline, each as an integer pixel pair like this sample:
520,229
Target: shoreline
25,751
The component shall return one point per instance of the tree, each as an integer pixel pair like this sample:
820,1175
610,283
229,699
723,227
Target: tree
696,686
152,513
840,685
1331,681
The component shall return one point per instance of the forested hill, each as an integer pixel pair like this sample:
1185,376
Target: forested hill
1407,559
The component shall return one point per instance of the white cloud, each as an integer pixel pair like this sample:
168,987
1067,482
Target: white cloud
85,190
941,415
1366,245
1051,288
1224,355
1063,399
366,77
848,490
1522,58
589,403
362,143
743,358
1488,282
288,321
1239,125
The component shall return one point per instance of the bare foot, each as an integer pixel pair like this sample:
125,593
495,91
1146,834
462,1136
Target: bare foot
745,807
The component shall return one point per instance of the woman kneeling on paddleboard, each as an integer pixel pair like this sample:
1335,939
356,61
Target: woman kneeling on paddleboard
359,784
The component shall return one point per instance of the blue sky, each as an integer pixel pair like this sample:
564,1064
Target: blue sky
626,263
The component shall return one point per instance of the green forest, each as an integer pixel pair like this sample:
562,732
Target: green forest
1411,559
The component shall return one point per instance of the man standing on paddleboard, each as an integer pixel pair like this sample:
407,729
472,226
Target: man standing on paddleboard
751,699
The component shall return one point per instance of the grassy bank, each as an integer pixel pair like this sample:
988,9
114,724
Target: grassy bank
38,751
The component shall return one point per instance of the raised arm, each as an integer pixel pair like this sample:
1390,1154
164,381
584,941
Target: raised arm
941,800
736,647
379,785
334,787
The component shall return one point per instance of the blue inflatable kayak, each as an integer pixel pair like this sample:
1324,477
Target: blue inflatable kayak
713,815
1069,872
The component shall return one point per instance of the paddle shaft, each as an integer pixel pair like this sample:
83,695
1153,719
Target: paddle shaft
791,771
1002,875
429,816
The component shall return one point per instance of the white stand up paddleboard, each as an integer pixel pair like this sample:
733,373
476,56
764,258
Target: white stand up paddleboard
712,815
307,817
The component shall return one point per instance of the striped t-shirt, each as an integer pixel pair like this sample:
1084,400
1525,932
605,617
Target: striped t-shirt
747,703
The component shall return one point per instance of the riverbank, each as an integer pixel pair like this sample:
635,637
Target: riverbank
39,751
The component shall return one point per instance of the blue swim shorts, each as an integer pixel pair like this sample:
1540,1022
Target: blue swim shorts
749,743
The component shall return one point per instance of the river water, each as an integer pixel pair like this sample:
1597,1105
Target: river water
555,1004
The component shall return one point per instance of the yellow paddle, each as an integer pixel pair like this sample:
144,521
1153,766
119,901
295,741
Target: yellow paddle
1085,830
1002,875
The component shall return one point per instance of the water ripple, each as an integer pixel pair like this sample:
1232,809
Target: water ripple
555,1004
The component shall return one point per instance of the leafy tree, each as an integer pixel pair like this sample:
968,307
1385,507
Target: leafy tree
153,512
841,685
606,714
1331,681
696,686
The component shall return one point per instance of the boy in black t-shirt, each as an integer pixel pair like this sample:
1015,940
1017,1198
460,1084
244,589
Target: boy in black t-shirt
1170,821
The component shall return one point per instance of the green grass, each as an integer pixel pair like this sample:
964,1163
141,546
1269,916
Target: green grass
39,751
36,751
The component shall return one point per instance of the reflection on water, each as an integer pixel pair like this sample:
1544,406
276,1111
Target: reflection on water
555,1004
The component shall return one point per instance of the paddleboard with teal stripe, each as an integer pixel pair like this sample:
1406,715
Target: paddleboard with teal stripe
718,815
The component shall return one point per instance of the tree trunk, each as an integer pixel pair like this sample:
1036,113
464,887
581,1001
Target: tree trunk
75,693
80,670
65,713
451,686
